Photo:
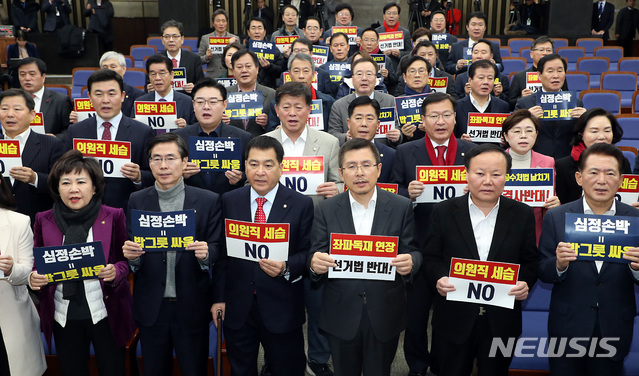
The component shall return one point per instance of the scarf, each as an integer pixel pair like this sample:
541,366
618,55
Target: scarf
451,151
313,93
576,151
391,29
375,51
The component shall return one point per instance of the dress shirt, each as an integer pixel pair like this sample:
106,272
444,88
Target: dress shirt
176,57
435,145
168,98
612,211
270,197
22,141
115,123
483,227
363,217
479,108
38,99
294,149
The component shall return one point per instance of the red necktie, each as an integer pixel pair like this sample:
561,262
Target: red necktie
174,63
441,150
106,135
260,216
32,95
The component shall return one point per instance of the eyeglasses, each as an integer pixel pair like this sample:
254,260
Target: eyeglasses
171,36
362,74
547,50
199,102
369,40
352,168
301,50
434,117
312,28
170,160
160,73
342,14
413,72
391,13
518,132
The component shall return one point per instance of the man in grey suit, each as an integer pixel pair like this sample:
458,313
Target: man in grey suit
213,62
371,313
364,78
245,69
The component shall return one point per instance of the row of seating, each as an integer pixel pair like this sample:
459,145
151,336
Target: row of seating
517,45
133,76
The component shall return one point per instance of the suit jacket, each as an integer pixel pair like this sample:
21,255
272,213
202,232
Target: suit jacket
64,8
320,143
339,113
100,19
183,106
110,229
25,17
193,64
19,319
387,159
238,281
40,154
450,234
268,76
465,106
554,136
385,300
605,21
450,84
518,83
581,289
131,94
268,95
327,105
627,23
55,108
13,51
410,155
118,190
214,66
462,78
193,285
457,52
217,182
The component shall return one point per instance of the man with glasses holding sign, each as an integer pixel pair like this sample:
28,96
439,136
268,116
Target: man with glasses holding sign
172,38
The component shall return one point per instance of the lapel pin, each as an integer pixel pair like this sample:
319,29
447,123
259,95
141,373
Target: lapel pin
103,222
462,154
284,206
315,149
381,155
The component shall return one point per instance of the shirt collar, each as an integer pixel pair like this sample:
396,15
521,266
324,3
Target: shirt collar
611,211
302,136
22,137
176,57
476,104
217,129
169,96
254,87
270,196
354,202
115,121
471,205
39,93
436,144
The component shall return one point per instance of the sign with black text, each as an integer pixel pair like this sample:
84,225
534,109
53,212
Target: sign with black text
215,154
70,262
112,155
254,241
163,231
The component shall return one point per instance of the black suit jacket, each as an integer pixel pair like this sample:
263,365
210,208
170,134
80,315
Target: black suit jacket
268,96
55,108
193,64
518,84
40,153
462,78
237,281
342,304
450,234
118,190
627,23
193,285
465,106
457,52
50,9
131,94
217,182
605,21
581,287
387,159
183,105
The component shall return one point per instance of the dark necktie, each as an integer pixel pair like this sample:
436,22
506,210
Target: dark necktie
600,8
441,150
106,135
161,100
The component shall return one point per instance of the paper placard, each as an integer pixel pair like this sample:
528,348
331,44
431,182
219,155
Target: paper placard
112,155
363,256
254,241
303,174
440,182
157,115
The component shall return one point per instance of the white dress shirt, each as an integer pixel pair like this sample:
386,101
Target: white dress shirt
479,108
115,123
177,57
38,99
270,197
483,227
168,98
294,149
363,217
22,141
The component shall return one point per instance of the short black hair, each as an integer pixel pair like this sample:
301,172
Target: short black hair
42,66
28,99
291,7
424,43
542,62
304,41
235,45
602,149
258,19
542,39
265,143
74,161
218,12
340,34
371,29
7,200
420,32
159,59
209,82
437,12
366,57
582,122
346,6
486,64
103,75
390,5
488,148
436,98
484,41
364,100
481,15
313,18
172,23
357,144
238,54
168,137
294,89
411,59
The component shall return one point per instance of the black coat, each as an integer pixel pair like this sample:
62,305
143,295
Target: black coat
25,16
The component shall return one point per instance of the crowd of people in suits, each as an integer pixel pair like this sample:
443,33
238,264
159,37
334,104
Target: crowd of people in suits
59,197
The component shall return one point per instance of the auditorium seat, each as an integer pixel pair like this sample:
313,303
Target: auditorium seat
610,100
79,79
140,51
614,53
516,44
595,66
589,44
624,82
578,81
571,54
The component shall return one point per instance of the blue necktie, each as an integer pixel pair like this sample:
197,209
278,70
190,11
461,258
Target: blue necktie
600,8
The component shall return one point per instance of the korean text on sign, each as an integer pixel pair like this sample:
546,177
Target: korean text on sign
9,156
217,44
363,256
315,119
485,127
337,71
438,84
533,83
386,122
532,186
557,106
254,241
408,109
287,78
244,105
37,124
280,42
482,282
441,41
263,50
215,154
629,191
440,182
163,231
84,108
112,155
601,237
303,174
320,55
70,262
391,41
157,115
350,31
179,78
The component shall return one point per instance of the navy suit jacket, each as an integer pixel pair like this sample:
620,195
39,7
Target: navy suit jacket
457,52
607,18
55,108
518,84
462,78
217,182
581,289
387,159
50,9
40,153
193,285
183,105
236,281
118,190
465,106
131,94
193,64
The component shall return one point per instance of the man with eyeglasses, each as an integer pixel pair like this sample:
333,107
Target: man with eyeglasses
268,71
172,38
362,318
438,27
172,290
106,91
482,51
391,24
305,46
427,50
364,73
313,31
439,147
460,53
160,72
209,102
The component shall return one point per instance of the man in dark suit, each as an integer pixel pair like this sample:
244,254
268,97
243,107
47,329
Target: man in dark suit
480,99
459,52
55,107
57,14
263,302
426,8
115,61
482,51
106,94
209,99
160,72
38,153
603,15
481,225
554,135
371,314
265,12
172,290
172,38
438,120
269,71
590,299
626,27
428,51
